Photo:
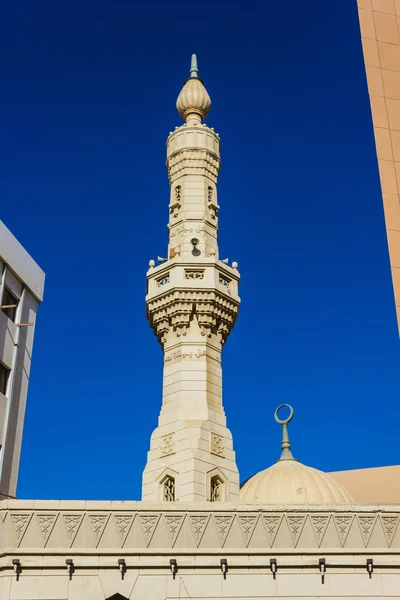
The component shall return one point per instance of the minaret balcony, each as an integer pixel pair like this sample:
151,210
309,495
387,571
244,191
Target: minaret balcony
201,275
177,290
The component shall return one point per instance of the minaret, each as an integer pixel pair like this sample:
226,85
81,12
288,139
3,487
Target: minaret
192,304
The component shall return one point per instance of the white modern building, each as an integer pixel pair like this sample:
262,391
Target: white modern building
21,291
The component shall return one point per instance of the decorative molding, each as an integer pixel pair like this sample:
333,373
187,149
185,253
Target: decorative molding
190,355
389,526
193,162
173,523
223,524
271,525
20,522
173,356
367,524
247,526
148,524
41,529
198,523
295,524
72,522
173,309
167,444
98,524
123,524
46,523
319,524
194,274
343,524
177,355
182,229
217,445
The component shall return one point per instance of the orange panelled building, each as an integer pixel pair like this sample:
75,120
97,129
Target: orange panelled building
380,34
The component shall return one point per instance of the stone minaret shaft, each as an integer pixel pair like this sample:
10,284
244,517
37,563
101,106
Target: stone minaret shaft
192,304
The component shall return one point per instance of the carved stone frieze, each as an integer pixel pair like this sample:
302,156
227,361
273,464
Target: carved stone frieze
295,524
98,523
123,523
223,523
198,524
343,524
271,525
72,522
174,309
217,444
167,444
319,524
194,274
20,522
193,162
186,230
389,524
46,523
148,525
366,523
246,528
173,524
247,525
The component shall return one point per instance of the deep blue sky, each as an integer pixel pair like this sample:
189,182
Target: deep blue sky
87,101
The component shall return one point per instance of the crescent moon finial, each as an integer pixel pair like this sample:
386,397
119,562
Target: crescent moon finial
286,451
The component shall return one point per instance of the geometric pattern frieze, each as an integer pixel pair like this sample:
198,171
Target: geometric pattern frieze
235,528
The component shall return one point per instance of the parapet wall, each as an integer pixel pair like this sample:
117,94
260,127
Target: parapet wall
95,550
138,526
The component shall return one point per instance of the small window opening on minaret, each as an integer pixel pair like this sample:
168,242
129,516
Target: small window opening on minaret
9,304
211,203
4,374
216,489
168,489
176,201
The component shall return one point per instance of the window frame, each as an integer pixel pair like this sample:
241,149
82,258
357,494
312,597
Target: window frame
9,298
4,378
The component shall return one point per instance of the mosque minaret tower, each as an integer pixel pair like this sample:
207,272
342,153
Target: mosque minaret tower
192,304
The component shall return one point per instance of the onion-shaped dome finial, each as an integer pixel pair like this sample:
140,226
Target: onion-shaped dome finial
193,102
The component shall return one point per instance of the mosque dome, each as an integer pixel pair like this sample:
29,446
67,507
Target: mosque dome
290,482
193,102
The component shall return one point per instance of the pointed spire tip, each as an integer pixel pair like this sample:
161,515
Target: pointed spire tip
193,67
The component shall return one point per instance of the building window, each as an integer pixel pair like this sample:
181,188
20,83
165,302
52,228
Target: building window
216,489
4,374
168,486
9,304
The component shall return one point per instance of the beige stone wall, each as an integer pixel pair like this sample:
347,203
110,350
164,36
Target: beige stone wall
144,527
42,535
380,32
248,577
377,485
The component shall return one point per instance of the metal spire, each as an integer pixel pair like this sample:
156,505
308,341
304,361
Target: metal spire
193,67
286,452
